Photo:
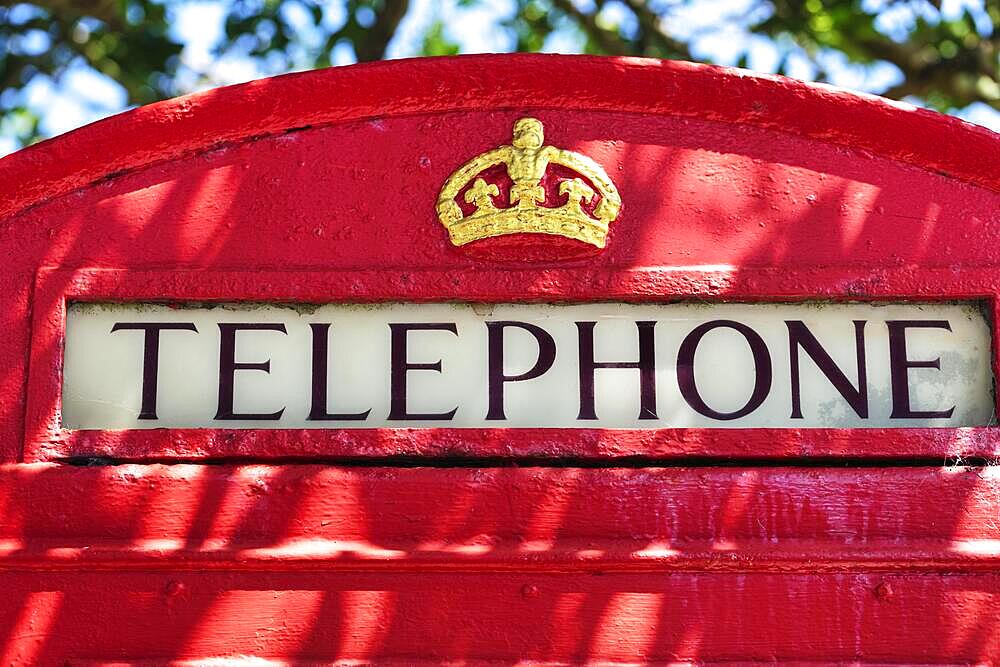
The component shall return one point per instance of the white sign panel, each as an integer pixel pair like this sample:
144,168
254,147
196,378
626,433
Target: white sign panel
602,365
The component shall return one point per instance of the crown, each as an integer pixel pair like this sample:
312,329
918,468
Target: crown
526,201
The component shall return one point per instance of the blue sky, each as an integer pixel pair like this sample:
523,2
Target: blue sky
715,29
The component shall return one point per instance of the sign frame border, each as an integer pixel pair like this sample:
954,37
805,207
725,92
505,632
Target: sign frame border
55,287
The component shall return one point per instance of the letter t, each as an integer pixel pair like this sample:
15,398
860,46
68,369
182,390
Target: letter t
151,357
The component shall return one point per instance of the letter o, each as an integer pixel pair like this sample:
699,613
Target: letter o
685,369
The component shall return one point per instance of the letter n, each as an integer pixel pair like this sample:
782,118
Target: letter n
799,337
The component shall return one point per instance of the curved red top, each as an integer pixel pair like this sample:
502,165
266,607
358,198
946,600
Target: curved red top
271,106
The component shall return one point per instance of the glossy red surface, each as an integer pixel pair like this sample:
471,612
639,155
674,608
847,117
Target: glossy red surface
298,563
321,187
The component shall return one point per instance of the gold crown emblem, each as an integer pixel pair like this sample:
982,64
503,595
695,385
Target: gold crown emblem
592,202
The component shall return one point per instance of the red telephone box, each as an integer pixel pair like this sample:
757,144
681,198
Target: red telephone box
399,364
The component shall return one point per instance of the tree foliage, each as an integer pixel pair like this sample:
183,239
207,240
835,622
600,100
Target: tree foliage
947,61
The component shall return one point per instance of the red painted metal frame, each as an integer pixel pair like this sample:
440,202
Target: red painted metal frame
46,440
200,199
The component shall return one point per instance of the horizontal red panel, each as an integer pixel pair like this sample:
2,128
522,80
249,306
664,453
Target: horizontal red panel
610,445
499,618
150,564
245,661
295,516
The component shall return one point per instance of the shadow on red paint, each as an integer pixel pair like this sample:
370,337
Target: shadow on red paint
547,564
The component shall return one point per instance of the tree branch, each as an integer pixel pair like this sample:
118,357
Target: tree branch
378,36
609,41
106,11
653,34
